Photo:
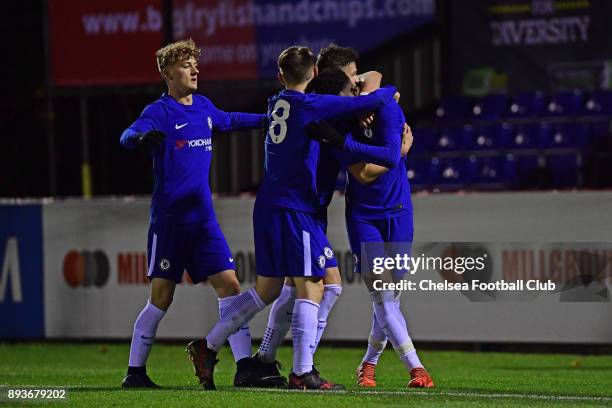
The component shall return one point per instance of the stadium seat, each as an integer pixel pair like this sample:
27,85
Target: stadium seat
581,134
510,172
453,109
452,171
424,139
418,172
449,173
566,103
546,134
565,135
450,139
466,135
495,171
528,172
599,103
524,137
490,107
563,169
600,135
434,170
471,166
528,104
488,137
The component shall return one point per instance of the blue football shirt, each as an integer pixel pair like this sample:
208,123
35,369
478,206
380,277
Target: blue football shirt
389,195
291,157
181,167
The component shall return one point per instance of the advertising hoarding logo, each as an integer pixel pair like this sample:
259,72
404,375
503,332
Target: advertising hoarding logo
21,272
86,268
11,272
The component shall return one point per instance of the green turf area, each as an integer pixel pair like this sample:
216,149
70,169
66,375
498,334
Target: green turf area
93,373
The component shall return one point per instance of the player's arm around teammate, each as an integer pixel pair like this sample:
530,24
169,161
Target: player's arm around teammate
279,320
367,173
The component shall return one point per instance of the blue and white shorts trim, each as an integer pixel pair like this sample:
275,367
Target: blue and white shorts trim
289,242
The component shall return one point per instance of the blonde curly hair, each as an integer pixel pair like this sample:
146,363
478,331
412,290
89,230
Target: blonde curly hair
176,51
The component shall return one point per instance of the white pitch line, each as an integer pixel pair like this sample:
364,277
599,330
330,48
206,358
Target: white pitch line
447,394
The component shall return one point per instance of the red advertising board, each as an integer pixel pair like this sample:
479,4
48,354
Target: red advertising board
225,32
104,42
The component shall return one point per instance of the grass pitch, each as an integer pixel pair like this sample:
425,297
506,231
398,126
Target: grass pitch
93,373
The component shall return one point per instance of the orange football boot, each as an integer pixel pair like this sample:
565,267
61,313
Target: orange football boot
419,378
366,376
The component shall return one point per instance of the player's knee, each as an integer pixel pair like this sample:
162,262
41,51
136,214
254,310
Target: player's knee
234,287
162,293
225,283
231,288
332,276
162,300
268,289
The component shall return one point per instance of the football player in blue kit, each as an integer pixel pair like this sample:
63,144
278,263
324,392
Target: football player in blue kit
379,210
328,168
289,241
184,234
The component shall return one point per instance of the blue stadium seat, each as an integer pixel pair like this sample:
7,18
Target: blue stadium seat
509,170
424,139
490,107
434,170
498,136
418,172
449,173
527,170
467,135
493,172
566,103
599,103
472,164
524,137
563,170
452,109
528,104
564,135
453,172
600,135
581,134
450,139
544,135
490,170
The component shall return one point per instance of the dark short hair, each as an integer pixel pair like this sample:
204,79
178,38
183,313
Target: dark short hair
334,56
295,63
329,82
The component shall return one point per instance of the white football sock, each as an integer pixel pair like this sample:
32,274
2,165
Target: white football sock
393,324
330,295
240,342
376,342
143,336
238,313
279,322
304,331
